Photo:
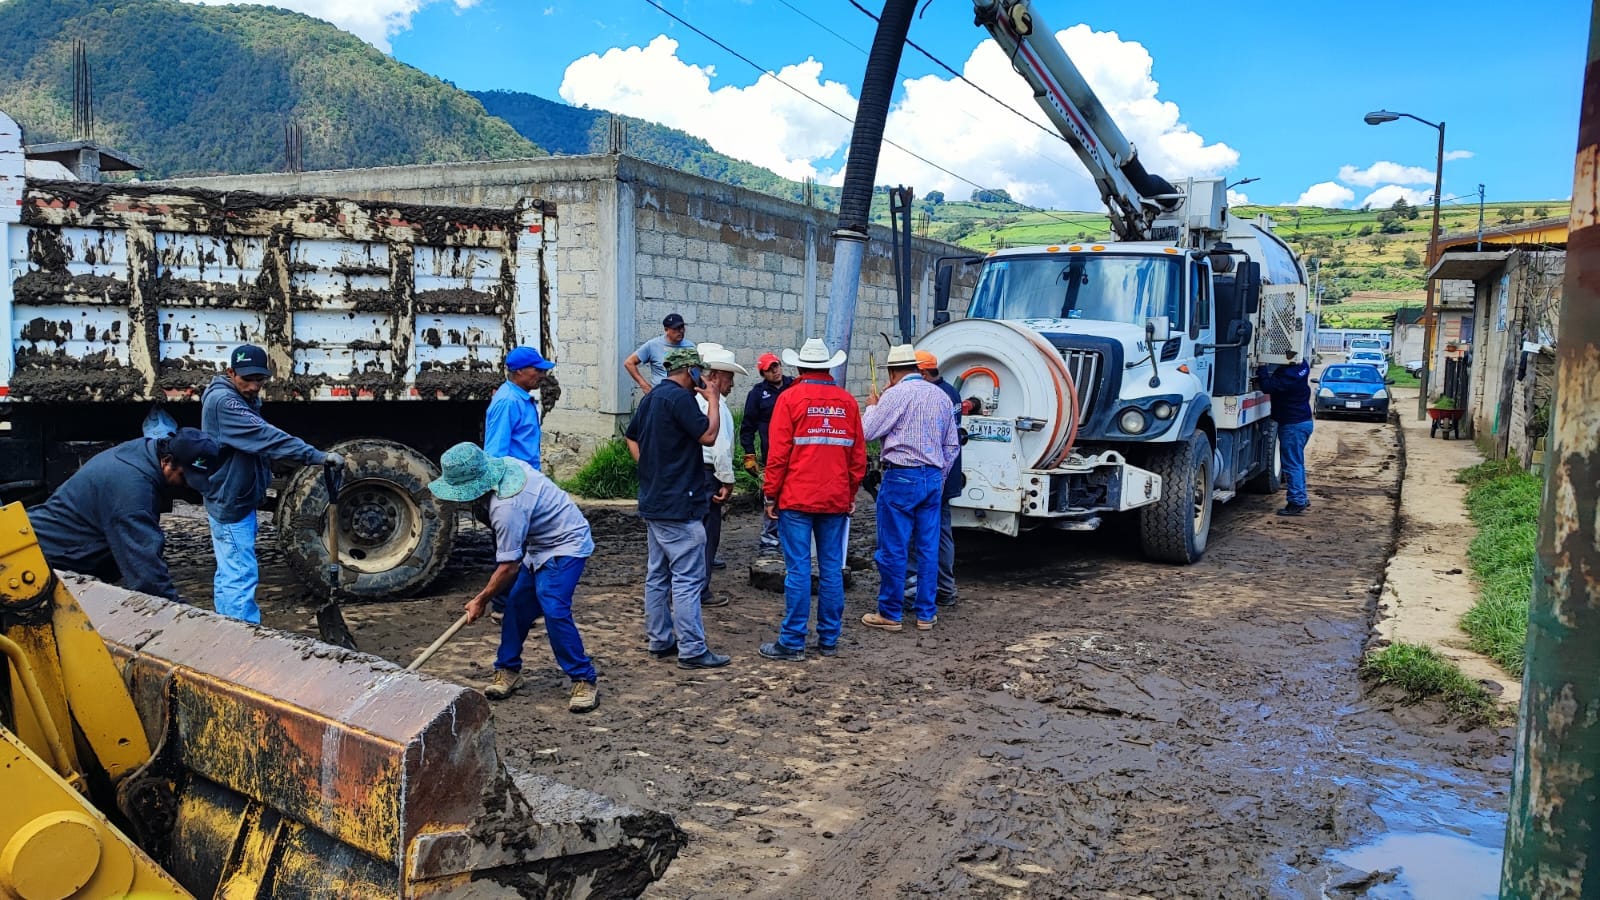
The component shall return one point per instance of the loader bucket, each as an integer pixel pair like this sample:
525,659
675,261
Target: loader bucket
285,767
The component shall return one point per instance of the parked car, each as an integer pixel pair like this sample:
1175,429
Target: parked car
1374,358
1366,344
1414,368
1352,390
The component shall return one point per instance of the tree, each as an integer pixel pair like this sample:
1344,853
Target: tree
1377,243
1393,226
935,197
987,195
1402,209
1541,212
1365,230
1412,258
1509,215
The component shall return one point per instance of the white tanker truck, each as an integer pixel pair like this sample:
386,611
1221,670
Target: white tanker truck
1117,377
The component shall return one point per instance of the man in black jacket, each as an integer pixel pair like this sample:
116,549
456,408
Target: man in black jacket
105,520
757,418
1290,388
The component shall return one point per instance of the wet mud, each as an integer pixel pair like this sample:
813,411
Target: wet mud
1082,723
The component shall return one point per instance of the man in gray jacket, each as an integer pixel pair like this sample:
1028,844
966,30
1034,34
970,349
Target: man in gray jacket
105,520
230,411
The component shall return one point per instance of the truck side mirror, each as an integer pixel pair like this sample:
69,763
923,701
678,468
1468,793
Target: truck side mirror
1157,330
941,293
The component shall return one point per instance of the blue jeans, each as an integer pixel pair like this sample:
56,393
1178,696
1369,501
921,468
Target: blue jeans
795,531
908,516
1292,450
674,580
548,593
233,591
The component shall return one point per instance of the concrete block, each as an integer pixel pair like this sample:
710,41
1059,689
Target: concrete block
677,292
643,264
650,240
687,269
710,272
674,244
717,294
747,278
696,249
652,288
570,283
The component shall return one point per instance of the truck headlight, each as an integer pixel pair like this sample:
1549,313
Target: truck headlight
1380,394
1133,421
1325,392
1162,410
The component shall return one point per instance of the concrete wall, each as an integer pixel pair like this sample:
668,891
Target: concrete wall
637,241
1515,305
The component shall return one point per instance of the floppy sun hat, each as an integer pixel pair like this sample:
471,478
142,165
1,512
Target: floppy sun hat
813,355
467,473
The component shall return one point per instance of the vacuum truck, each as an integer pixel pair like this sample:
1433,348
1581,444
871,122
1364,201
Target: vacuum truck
1117,377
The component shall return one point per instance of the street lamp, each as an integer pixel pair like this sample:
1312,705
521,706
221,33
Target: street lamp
1428,324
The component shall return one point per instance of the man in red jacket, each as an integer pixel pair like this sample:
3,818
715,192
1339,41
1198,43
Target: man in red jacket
815,463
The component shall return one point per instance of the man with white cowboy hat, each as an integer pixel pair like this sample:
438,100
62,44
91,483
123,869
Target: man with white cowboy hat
717,458
920,443
665,436
815,464
542,544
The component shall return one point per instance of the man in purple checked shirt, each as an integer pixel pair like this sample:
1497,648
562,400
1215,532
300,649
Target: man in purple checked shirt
919,446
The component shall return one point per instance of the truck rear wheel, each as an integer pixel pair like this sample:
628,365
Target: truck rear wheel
1175,528
394,535
1270,479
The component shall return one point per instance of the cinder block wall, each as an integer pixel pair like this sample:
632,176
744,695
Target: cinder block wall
637,241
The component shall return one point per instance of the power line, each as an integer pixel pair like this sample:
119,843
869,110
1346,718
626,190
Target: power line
808,18
766,71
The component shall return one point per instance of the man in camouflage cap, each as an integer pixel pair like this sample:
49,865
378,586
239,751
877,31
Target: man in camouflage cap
665,437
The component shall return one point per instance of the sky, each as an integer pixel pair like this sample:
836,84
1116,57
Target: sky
1267,90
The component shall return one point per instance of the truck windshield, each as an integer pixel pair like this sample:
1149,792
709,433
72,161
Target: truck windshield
1100,286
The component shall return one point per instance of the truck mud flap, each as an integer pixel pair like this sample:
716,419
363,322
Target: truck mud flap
286,767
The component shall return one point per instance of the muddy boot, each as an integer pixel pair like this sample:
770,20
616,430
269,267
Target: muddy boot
504,685
585,696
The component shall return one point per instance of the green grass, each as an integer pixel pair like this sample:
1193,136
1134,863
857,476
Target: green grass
610,474
1422,673
1503,502
1401,377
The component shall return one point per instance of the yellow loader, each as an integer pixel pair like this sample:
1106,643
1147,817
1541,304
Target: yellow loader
171,752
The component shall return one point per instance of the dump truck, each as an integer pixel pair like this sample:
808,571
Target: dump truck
385,324
1117,377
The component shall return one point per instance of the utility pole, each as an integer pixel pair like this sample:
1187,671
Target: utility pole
1480,218
1554,824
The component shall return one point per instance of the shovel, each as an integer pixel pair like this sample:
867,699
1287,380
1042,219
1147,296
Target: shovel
330,620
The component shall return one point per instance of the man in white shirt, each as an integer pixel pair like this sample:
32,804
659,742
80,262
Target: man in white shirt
718,458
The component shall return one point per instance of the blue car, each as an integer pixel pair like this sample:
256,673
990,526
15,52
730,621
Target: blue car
1352,390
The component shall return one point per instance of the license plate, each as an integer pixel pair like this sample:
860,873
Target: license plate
989,430
1352,404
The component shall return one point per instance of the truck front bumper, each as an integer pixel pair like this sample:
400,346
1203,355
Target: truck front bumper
1072,496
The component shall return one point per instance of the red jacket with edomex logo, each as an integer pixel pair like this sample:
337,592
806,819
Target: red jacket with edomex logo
818,453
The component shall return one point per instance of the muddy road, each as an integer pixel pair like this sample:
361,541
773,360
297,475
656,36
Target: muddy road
1083,723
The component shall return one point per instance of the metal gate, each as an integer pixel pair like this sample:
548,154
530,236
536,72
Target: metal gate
1457,373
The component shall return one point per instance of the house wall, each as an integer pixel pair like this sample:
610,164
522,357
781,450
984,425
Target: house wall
1515,306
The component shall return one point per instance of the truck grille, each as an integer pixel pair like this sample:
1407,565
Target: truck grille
1085,368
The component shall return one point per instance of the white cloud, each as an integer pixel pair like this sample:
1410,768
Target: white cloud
1236,198
1327,194
765,123
374,21
943,120
1384,197
1453,155
1385,172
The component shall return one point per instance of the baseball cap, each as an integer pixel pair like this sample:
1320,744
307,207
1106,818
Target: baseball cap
673,320
527,357
197,452
248,359
767,361
926,360
682,358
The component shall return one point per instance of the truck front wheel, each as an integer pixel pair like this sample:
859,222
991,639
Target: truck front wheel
394,535
1175,528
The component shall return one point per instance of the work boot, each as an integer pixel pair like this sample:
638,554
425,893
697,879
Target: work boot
1293,509
713,600
928,625
828,649
706,660
719,563
779,652
585,696
873,620
667,652
504,685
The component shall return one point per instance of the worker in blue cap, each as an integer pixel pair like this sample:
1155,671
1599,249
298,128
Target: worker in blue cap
511,427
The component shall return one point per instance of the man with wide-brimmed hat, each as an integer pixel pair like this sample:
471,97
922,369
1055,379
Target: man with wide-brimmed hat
913,422
542,543
817,460
720,367
665,436
757,419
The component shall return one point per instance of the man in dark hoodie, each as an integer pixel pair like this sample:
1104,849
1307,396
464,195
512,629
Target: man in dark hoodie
105,520
1290,388
230,411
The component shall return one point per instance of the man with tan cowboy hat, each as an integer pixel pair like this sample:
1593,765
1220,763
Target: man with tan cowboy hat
541,545
717,458
665,436
815,464
913,421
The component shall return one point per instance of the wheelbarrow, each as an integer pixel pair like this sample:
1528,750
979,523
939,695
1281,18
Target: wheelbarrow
1444,421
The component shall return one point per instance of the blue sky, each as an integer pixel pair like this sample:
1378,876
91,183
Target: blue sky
1274,91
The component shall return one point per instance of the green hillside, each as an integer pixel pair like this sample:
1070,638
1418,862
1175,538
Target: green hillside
208,89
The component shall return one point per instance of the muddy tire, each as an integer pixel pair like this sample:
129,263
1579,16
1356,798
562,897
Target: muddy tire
394,535
1175,528
1270,480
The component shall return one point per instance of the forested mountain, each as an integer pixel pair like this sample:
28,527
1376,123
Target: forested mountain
192,89
560,128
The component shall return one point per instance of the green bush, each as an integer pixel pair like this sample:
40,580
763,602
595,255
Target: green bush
610,474
1503,502
1422,672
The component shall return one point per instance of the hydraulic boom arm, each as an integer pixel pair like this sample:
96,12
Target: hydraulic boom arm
1133,196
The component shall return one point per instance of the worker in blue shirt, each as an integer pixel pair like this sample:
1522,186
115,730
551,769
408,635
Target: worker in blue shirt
1289,386
511,427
